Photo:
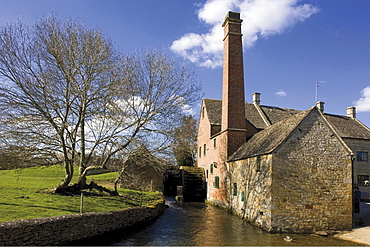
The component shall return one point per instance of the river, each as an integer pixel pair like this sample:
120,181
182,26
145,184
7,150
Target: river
200,224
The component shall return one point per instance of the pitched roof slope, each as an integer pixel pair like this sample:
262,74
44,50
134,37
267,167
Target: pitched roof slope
254,117
273,114
348,127
268,140
345,126
276,114
214,110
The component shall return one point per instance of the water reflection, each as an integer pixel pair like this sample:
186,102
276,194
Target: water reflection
199,224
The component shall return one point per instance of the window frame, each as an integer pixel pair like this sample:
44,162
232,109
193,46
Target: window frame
235,189
361,178
362,156
216,183
258,161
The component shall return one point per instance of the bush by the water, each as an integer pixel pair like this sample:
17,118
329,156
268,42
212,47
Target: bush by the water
26,193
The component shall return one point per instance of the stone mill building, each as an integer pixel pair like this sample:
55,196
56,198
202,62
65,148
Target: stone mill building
281,169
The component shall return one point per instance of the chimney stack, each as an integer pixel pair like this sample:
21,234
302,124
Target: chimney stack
351,112
233,103
320,106
257,98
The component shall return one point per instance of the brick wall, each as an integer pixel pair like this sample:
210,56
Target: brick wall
67,228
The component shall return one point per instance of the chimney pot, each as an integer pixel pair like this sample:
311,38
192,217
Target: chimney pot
320,105
256,98
351,112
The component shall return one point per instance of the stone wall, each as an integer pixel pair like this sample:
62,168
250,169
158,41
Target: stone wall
360,167
303,186
67,228
312,185
252,179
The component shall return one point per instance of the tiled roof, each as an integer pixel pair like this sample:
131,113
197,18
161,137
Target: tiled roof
346,127
214,110
254,117
273,114
268,140
276,114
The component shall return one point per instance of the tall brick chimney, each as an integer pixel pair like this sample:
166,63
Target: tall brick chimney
233,102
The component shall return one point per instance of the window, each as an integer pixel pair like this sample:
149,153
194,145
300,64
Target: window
258,164
214,143
235,189
362,156
216,184
211,168
205,150
202,112
361,179
200,152
243,196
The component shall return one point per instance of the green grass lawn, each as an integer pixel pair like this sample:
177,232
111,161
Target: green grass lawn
24,194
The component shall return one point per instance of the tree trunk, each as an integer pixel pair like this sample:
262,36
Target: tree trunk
68,178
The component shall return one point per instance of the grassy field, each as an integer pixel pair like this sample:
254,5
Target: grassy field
24,194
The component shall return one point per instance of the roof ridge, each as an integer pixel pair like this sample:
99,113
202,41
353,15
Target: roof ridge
305,114
336,133
263,115
263,134
363,125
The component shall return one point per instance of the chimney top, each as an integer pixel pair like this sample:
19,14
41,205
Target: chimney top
232,16
256,98
351,112
320,105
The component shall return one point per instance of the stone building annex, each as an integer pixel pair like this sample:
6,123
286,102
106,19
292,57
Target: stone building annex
284,170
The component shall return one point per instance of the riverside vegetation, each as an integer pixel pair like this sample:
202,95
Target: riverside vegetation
27,193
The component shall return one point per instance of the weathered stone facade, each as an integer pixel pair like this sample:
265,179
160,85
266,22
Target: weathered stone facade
304,185
312,185
361,167
250,190
294,171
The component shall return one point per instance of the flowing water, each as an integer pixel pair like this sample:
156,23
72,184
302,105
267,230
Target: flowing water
200,224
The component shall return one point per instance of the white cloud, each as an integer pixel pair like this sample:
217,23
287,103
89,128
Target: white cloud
281,93
363,104
261,18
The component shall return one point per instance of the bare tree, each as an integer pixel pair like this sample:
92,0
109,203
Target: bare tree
68,95
185,145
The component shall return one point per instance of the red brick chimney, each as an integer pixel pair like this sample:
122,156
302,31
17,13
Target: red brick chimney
233,102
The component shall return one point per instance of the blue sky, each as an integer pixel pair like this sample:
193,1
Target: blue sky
288,44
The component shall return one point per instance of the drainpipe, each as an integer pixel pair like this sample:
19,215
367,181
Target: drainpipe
353,159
